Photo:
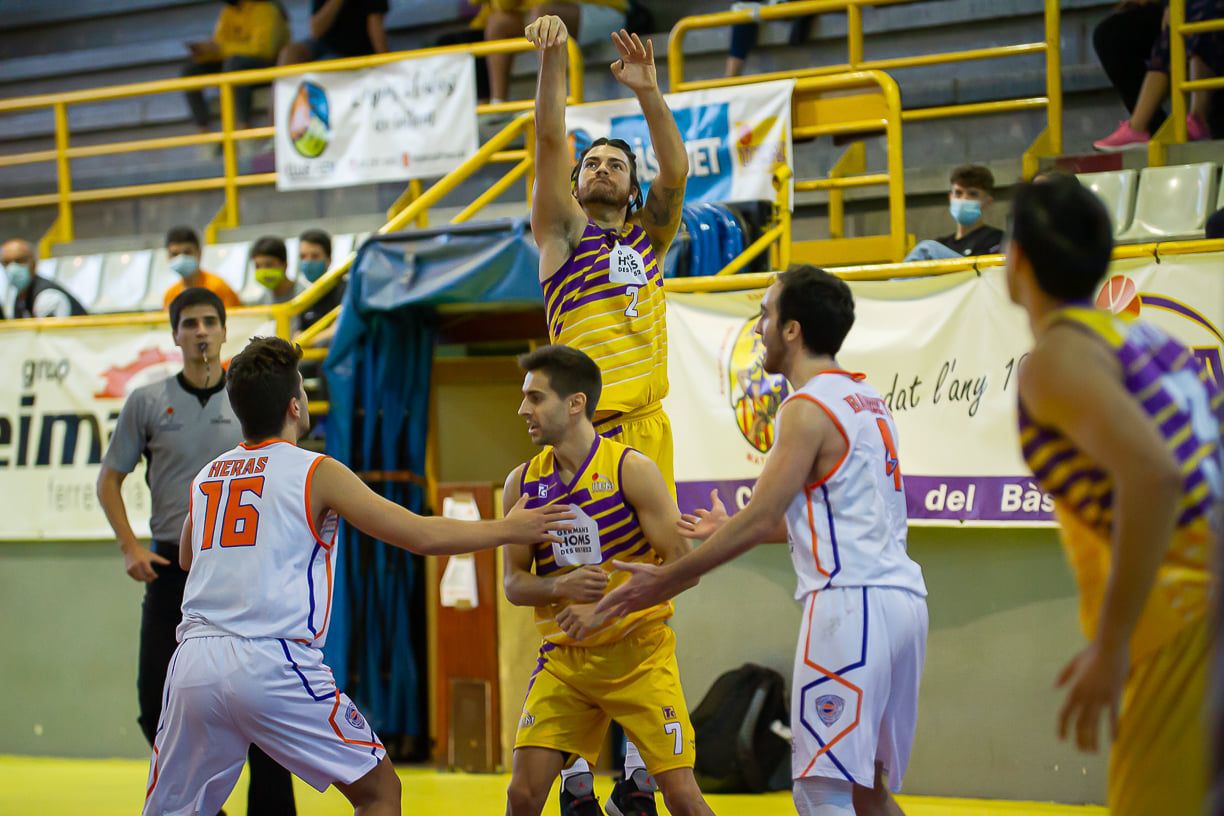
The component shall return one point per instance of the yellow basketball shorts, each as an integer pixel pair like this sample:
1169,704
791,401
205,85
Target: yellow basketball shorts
576,692
1158,762
647,430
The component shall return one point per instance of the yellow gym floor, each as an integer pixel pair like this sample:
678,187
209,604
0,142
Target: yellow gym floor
115,787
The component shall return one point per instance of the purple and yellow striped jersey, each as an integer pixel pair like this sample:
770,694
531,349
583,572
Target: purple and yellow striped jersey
1187,407
620,321
605,530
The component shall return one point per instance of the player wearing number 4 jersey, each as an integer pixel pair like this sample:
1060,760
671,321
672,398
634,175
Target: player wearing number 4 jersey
834,475
592,668
259,543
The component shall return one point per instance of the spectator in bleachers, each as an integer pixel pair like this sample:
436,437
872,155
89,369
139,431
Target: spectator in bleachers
744,35
249,34
314,259
25,293
1215,225
183,247
271,261
1140,27
341,28
588,22
971,196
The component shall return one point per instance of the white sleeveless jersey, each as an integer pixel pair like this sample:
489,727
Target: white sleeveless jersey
849,528
260,568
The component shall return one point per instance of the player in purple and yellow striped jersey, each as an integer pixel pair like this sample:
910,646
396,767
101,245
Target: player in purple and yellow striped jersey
592,668
1121,424
601,250
601,269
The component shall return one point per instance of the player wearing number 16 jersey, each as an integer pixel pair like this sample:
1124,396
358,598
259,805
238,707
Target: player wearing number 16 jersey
259,543
834,475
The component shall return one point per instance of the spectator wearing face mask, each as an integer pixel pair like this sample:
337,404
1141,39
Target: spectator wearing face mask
314,259
23,293
271,261
183,247
970,198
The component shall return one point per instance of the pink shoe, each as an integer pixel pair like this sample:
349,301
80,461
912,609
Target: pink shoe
1124,138
1196,129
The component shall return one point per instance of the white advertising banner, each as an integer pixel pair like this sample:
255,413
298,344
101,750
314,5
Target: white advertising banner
62,391
405,120
735,137
943,352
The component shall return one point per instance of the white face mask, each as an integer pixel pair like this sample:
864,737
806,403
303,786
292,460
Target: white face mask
184,265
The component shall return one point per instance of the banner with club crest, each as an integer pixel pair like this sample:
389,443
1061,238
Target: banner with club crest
942,351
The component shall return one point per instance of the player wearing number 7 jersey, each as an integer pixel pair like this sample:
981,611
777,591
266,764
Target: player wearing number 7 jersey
259,543
835,476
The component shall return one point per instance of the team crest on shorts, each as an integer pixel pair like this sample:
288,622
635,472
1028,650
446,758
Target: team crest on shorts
669,713
829,707
353,717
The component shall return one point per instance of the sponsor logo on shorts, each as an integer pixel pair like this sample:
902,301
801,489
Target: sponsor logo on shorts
829,707
527,720
353,717
669,713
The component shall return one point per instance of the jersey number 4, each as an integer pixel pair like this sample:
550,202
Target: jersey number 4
239,522
892,465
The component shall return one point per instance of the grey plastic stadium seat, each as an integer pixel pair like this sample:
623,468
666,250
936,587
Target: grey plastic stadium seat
228,262
125,281
1173,202
1116,189
81,275
161,278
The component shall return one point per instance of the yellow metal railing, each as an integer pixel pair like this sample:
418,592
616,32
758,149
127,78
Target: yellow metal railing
230,181
923,269
1049,142
1174,128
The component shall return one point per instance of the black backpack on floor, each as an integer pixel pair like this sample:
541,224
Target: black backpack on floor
743,733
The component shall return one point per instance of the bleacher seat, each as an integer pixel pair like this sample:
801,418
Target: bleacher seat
161,278
81,275
125,281
229,262
47,267
1173,202
1116,189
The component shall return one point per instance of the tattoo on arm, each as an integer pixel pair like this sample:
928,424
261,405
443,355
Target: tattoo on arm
663,206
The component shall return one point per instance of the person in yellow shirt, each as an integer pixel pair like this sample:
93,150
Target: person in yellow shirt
249,34
183,247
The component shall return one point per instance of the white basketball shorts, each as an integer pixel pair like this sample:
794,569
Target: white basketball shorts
224,693
854,701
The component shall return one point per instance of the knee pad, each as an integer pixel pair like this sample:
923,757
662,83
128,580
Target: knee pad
821,796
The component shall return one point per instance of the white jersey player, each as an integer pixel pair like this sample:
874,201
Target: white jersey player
260,544
835,476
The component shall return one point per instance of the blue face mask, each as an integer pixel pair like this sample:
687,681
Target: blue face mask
313,269
966,211
184,265
19,275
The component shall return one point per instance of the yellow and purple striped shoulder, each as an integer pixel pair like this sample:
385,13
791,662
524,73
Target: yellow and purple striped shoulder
607,300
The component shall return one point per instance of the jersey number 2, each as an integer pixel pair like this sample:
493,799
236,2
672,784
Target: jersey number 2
239,522
631,309
892,465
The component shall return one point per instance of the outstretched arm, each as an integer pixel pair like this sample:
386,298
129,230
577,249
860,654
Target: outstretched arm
636,71
556,219
336,487
803,430
524,588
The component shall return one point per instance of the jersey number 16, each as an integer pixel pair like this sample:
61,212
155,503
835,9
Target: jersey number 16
239,522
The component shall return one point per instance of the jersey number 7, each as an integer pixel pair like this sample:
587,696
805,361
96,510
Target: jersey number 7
239,522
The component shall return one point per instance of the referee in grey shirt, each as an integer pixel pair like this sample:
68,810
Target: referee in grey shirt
179,425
